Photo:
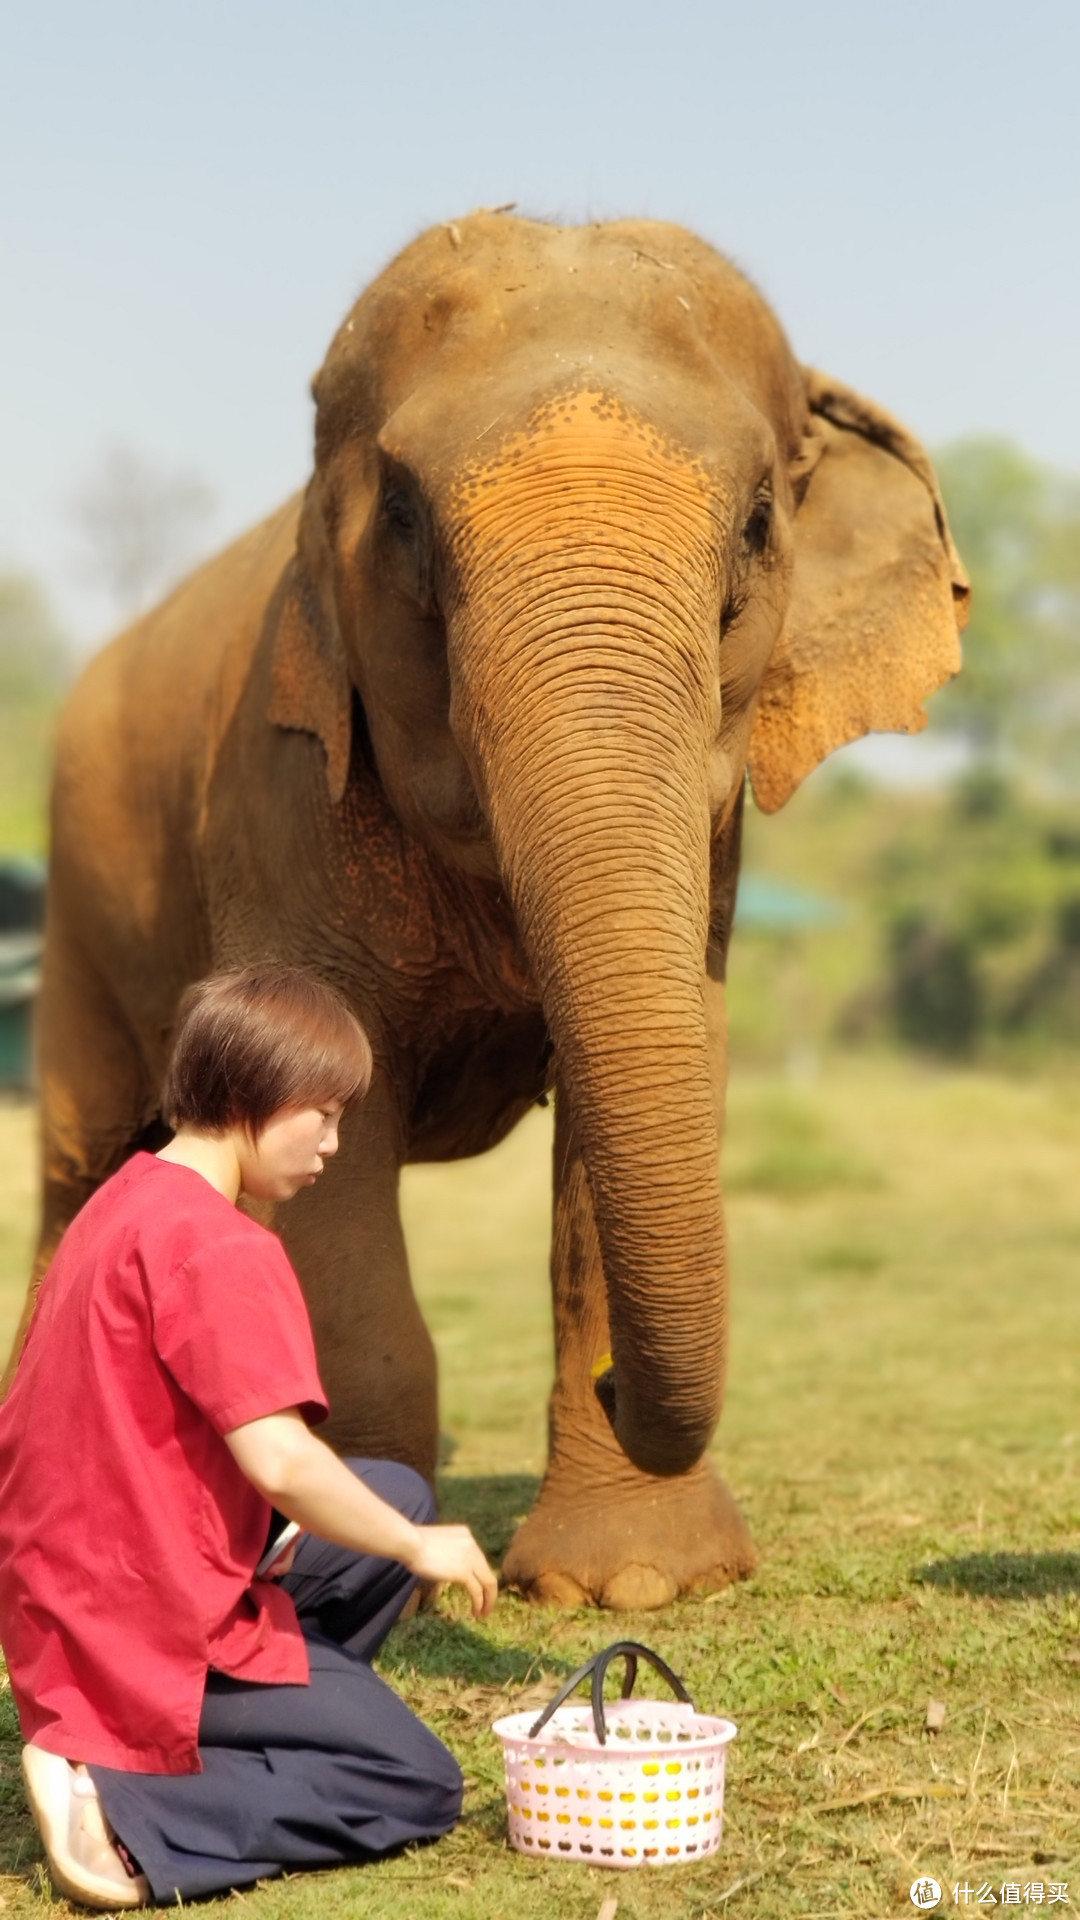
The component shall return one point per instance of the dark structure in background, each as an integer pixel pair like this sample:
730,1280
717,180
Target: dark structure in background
22,921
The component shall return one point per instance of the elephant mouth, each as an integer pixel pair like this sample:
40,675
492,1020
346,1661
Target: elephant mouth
605,1387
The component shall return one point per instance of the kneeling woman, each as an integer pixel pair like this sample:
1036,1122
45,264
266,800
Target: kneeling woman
191,1725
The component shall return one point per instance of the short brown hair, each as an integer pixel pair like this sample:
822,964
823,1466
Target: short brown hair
259,1039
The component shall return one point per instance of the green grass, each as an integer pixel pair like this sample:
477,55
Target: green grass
903,1427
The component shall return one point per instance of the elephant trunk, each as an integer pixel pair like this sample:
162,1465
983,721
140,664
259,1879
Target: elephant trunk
584,674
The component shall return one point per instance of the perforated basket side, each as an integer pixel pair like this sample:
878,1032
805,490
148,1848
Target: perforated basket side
634,1802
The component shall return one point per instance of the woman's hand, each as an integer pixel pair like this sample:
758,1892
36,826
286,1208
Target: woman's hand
452,1555
300,1476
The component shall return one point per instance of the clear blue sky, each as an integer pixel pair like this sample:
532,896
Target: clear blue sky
192,191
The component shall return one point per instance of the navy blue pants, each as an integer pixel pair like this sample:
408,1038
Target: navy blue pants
297,1777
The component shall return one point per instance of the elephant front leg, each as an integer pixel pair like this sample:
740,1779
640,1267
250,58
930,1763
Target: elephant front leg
375,1354
602,1531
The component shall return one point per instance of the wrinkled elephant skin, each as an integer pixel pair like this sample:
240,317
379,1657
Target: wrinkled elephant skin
466,729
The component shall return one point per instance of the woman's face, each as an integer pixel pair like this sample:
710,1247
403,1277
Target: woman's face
289,1152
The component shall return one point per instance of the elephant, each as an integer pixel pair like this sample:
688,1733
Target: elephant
466,728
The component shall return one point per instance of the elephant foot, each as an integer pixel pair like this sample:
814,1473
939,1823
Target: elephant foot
632,1544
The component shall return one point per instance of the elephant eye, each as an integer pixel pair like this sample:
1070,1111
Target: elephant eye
759,526
397,511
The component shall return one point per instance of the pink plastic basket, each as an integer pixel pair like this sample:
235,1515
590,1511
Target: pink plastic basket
629,1783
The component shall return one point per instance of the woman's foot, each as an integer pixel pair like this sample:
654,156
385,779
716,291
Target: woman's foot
79,1843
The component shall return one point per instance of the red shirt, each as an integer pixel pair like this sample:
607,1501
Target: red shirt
128,1534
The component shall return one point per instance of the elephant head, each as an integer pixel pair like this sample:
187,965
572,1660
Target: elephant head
588,543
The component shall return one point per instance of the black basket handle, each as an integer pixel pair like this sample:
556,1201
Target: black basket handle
630,1651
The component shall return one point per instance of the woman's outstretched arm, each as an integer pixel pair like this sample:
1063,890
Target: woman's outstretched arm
302,1478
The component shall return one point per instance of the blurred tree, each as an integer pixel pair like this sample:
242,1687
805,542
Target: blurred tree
1017,525
140,527
936,1002
35,660
35,667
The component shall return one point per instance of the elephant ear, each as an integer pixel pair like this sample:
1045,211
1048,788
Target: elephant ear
879,596
310,687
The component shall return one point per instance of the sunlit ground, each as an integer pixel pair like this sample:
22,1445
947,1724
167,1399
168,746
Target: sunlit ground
903,1427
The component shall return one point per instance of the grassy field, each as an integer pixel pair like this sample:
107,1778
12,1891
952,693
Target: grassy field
903,1428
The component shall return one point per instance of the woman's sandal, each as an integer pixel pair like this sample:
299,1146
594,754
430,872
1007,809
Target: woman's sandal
84,1864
